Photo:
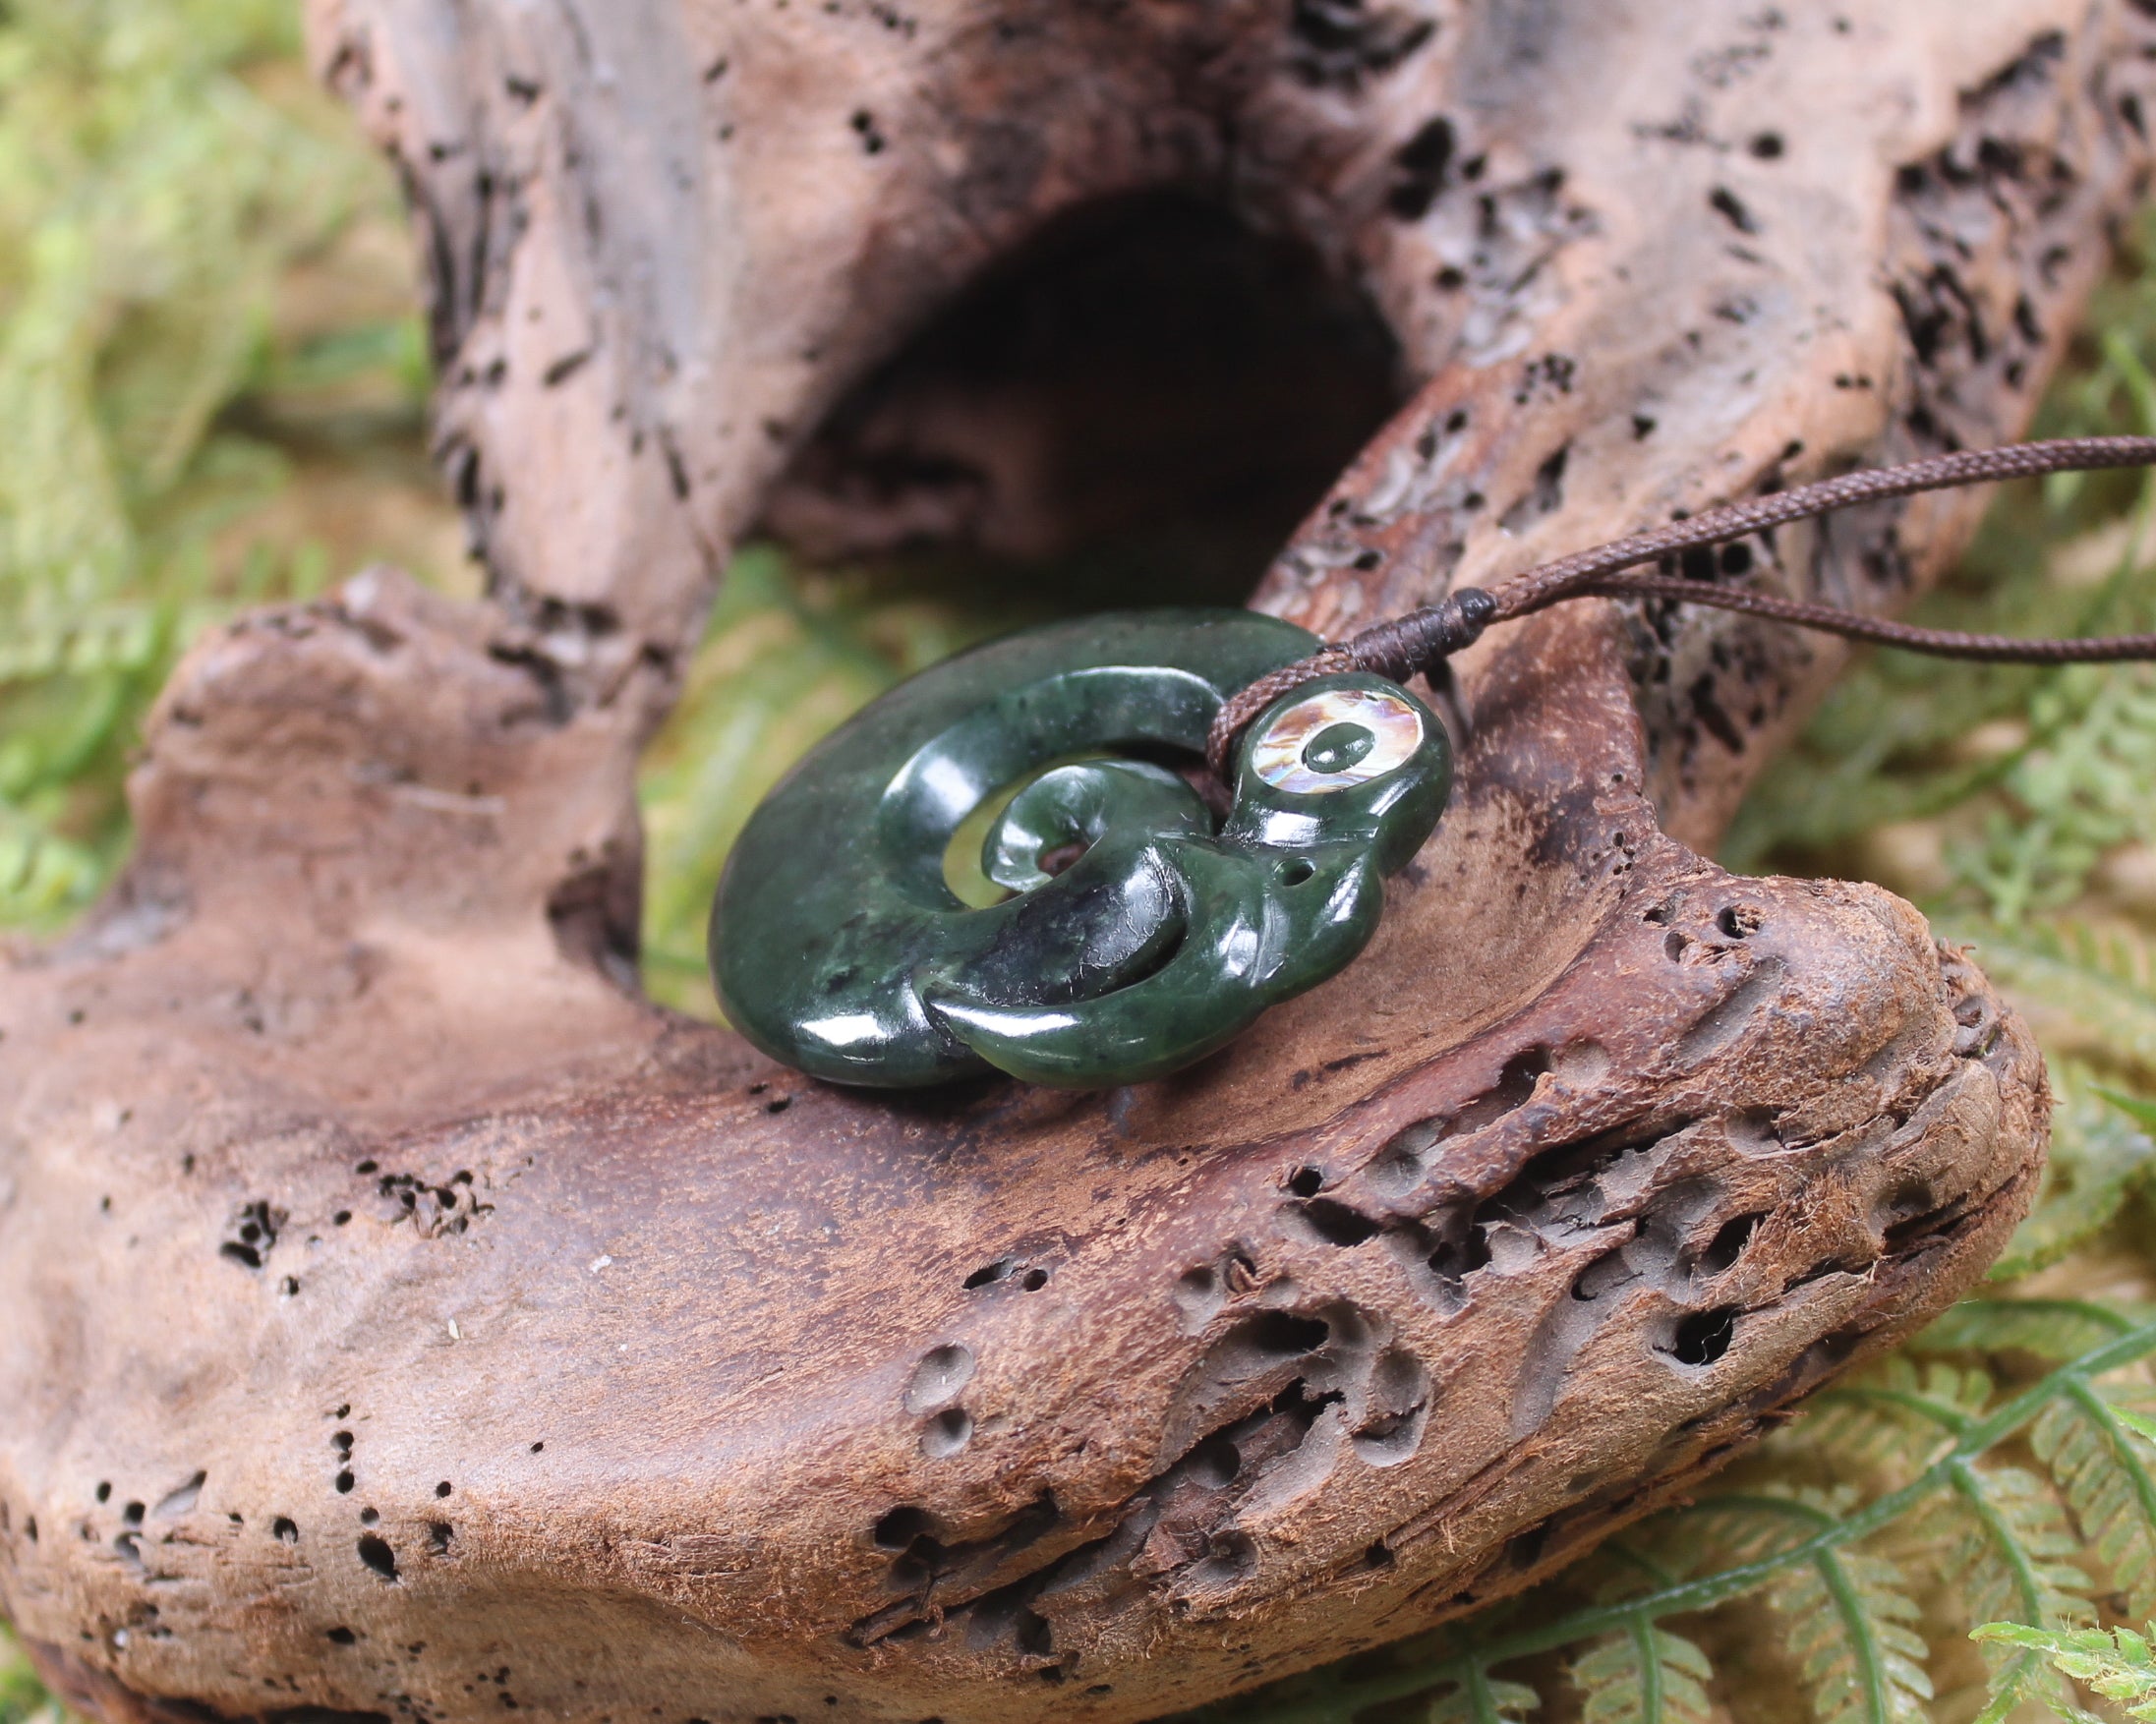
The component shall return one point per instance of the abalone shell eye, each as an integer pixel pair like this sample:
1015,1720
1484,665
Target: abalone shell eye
1336,738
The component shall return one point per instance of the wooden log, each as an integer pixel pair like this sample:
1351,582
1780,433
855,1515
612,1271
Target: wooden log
406,1319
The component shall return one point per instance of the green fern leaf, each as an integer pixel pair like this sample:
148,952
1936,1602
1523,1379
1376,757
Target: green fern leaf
2089,1447
1850,1625
2012,1559
1726,1532
2079,793
1876,1440
1841,1567
2099,1157
1477,1697
1643,1675
158,194
2016,1548
2117,1664
1885,1427
2053,1330
2091,991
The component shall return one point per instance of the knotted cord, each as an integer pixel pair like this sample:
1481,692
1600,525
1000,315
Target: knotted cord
1423,638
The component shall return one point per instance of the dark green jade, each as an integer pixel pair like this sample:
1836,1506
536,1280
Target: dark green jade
839,945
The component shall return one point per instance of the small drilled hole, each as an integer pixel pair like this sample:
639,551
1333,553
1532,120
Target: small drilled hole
939,1376
1296,871
946,1433
1705,1336
376,1553
1283,1335
1306,1181
900,1529
1336,1224
1728,1242
1035,1280
1214,1463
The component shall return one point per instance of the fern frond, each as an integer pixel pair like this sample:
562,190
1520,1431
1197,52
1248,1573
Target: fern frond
1726,1532
1849,1623
2071,797
1885,1426
2053,1330
159,199
1877,1437
1477,1697
2117,1664
2016,1543
2100,1154
1643,1675
2003,1536
2104,1469
43,875
2090,990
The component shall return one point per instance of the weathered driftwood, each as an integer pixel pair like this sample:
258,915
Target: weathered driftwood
405,1319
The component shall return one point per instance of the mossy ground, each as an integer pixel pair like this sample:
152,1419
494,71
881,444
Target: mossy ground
213,384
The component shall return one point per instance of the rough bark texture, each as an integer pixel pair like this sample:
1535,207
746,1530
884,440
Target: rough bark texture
406,1320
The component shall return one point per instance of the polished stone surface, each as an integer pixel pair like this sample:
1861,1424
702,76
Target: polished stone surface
1140,934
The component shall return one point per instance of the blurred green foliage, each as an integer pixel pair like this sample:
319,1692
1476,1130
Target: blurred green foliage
21,1700
214,386
168,177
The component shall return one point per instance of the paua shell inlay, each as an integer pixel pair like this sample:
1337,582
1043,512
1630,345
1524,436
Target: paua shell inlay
1335,738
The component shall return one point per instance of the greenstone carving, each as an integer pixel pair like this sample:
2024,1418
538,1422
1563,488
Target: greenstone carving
1140,932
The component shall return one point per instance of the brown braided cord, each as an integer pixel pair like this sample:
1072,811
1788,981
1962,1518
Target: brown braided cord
1397,649
1944,643
1553,580
1254,697
1417,641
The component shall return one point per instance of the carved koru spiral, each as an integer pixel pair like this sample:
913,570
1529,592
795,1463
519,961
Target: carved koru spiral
839,944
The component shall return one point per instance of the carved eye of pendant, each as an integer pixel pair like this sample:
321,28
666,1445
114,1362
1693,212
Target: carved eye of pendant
1336,738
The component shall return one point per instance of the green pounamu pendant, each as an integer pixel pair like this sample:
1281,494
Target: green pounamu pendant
839,947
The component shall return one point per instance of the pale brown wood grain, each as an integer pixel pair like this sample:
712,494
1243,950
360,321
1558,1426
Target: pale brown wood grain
404,1319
